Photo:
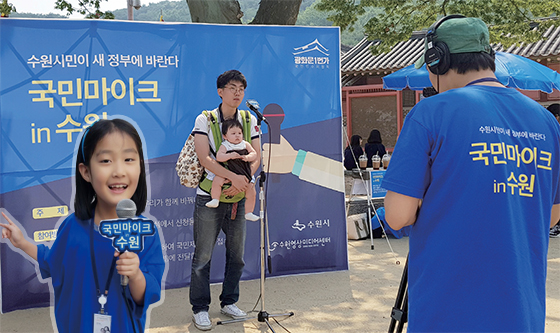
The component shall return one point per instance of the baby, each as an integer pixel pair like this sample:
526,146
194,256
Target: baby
239,154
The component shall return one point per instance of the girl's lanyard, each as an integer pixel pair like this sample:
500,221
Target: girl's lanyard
484,79
101,297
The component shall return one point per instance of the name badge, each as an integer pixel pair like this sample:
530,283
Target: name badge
101,323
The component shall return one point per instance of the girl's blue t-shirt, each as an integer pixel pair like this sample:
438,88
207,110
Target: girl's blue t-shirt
485,160
68,264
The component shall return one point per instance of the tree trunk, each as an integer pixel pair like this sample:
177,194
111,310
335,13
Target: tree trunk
215,11
281,12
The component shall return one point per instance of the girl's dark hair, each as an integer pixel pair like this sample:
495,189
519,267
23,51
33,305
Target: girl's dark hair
355,140
374,137
472,61
231,75
84,203
227,124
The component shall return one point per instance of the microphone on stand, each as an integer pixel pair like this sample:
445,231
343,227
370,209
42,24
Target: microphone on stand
254,106
126,209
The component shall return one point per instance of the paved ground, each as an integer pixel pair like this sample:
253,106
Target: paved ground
354,301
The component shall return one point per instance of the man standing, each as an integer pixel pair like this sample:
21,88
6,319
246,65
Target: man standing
476,172
555,110
228,217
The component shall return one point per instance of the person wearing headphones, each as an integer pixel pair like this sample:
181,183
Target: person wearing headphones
474,176
555,110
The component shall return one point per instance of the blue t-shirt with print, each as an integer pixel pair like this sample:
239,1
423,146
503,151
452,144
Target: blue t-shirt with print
485,161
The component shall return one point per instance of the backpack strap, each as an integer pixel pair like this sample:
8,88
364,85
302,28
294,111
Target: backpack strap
214,125
246,116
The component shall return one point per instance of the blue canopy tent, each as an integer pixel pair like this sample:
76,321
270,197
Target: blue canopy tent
512,70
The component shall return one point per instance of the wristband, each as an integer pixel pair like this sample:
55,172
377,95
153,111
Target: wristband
298,165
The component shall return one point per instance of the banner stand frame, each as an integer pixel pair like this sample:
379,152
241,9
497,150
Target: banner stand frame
369,190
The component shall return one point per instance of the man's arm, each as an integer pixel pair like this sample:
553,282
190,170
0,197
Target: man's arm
554,215
400,210
256,144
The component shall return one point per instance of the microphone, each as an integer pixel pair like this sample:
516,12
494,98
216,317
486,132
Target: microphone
126,209
254,106
276,114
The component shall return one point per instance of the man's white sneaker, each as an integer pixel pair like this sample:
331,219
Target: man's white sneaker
233,311
202,321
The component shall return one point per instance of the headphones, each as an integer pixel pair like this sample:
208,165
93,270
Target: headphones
437,55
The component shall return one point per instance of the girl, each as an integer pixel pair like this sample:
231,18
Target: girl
374,146
239,154
352,152
109,167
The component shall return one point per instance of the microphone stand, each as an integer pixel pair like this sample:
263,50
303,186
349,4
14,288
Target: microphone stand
263,315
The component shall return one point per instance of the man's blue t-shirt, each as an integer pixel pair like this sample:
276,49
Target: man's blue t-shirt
485,161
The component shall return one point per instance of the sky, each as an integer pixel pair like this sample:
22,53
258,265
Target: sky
47,6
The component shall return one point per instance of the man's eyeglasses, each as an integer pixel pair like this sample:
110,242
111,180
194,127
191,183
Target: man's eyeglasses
234,89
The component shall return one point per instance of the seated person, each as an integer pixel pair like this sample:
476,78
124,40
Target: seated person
353,152
374,146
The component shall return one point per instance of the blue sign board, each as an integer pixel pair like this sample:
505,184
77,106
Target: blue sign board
59,76
376,177
127,234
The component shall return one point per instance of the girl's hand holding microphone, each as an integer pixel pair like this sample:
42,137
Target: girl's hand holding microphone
128,265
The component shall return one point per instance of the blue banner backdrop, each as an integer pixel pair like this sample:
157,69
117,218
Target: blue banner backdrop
58,76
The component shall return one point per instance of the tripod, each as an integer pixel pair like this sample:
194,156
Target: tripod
263,315
399,313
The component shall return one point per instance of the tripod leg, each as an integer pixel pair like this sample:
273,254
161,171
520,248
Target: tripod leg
399,311
370,217
269,326
404,317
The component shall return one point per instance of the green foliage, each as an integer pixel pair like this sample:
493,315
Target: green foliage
250,7
510,21
89,8
6,8
312,16
172,11
42,16
343,13
178,11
